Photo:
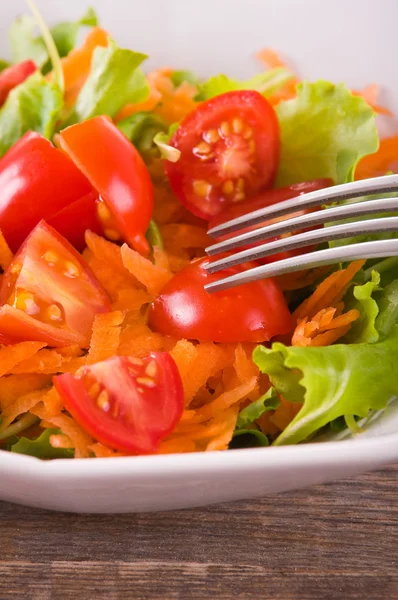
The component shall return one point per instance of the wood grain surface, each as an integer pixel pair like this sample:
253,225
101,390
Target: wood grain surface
337,541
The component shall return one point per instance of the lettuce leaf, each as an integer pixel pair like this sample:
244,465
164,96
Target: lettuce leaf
325,131
362,298
141,128
388,309
25,43
65,33
41,447
179,77
114,81
248,438
343,379
32,106
154,236
266,83
252,412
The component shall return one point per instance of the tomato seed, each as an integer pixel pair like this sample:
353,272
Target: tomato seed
103,401
146,381
151,369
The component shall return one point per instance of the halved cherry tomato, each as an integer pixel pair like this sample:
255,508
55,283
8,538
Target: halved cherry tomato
267,198
229,151
36,181
48,293
73,221
13,76
130,404
116,170
254,312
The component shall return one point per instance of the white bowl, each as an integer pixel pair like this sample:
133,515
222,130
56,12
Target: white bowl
348,41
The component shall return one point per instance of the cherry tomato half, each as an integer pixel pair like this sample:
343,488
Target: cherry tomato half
13,76
254,312
36,181
130,404
48,293
229,150
116,170
267,198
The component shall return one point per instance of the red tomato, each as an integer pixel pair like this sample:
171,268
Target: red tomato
48,293
254,312
73,221
36,181
116,170
229,150
130,404
13,76
267,198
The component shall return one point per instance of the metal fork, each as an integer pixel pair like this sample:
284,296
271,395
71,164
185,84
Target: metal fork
371,249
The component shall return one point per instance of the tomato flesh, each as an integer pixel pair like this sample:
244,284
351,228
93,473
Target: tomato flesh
13,76
48,293
229,150
74,220
268,198
254,312
118,173
129,404
37,181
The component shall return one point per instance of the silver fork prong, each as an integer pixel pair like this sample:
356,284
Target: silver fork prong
385,184
364,250
337,213
308,238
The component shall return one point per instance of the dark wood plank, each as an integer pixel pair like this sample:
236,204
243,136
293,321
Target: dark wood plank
338,541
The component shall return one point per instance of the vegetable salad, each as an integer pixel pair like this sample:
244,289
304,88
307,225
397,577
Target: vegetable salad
110,179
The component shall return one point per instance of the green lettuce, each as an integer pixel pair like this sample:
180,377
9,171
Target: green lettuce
387,316
334,381
65,33
154,236
325,131
32,106
41,447
252,412
114,81
362,298
26,44
141,128
179,77
248,438
266,83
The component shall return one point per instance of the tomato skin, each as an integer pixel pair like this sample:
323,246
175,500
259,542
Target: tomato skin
13,76
83,213
254,312
36,181
118,173
47,272
131,418
231,139
268,198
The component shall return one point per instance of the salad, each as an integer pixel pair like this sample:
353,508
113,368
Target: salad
109,181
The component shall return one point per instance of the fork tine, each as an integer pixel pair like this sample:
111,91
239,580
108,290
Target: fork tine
319,236
376,249
336,213
384,184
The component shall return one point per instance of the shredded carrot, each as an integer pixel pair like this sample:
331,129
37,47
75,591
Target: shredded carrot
152,276
22,405
10,356
105,337
13,387
60,441
323,327
76,66
329,292
382,161
5,253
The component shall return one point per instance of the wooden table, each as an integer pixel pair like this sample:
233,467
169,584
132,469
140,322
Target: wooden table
337,541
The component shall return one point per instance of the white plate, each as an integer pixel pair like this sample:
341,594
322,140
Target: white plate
340,40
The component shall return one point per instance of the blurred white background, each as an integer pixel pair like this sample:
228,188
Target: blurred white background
351,40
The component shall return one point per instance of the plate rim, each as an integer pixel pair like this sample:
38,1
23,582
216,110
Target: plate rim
379,450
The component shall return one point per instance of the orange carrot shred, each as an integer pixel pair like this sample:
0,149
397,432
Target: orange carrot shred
105,337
